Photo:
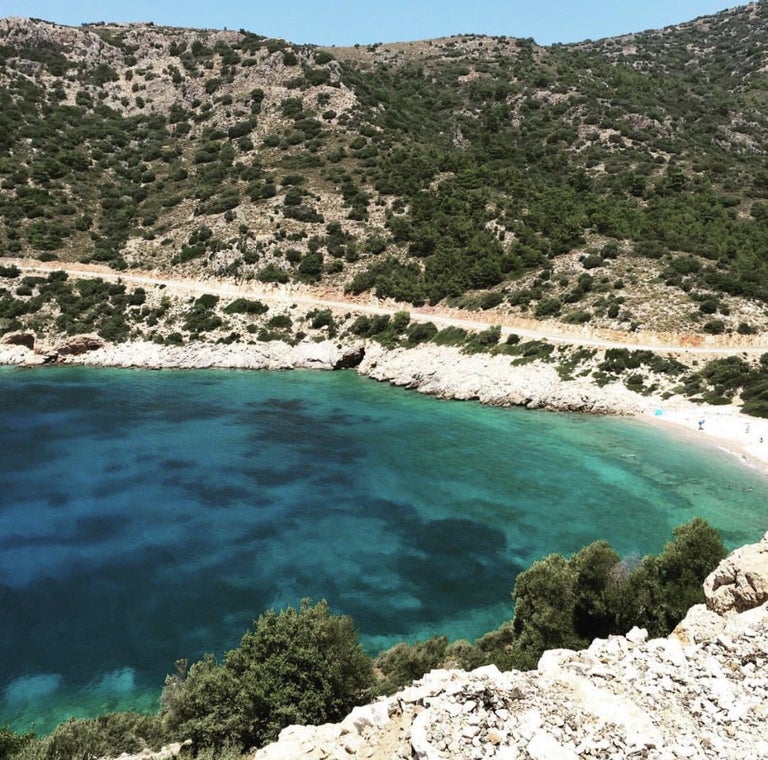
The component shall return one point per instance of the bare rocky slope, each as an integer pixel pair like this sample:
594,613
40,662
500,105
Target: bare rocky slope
701,693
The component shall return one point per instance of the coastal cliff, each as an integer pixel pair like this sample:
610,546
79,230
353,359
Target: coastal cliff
701,693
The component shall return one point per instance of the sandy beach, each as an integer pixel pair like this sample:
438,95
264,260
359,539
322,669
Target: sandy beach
723,427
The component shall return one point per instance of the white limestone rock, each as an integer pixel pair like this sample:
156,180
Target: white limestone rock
740,582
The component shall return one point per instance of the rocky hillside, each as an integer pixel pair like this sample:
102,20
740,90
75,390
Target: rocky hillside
701,693
620,183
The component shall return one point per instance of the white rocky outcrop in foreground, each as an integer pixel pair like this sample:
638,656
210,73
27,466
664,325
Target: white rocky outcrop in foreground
701,693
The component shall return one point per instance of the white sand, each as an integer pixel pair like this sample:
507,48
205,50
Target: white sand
724,427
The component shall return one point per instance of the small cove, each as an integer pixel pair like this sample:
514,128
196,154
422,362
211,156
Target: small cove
148,516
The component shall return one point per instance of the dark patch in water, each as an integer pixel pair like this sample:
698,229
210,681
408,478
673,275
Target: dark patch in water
92,530
176,464
220,496
57,499
451,566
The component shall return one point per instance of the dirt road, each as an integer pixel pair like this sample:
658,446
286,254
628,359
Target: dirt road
530,329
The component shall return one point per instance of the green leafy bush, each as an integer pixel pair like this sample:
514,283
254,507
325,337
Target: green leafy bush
567,602
12,743
246,306
420,332
82,739
404,663
297,666
450,336
483,341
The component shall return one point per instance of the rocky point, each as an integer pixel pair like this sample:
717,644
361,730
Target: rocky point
700,693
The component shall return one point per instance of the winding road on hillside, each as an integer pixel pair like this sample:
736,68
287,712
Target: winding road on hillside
587,336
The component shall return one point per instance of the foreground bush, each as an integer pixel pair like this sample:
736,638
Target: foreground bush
565,603
568,603
78,739
296,666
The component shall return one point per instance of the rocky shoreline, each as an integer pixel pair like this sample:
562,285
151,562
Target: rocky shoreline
442,371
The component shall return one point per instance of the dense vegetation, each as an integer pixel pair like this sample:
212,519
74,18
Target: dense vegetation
306,665
466,170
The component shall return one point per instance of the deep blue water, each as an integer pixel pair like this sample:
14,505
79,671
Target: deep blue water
149,516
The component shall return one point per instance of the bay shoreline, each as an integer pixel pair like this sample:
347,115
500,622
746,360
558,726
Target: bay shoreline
444,372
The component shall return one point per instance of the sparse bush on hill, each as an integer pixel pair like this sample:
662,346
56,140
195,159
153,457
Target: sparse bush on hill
466,182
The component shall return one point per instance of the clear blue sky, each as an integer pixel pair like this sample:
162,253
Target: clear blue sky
344,22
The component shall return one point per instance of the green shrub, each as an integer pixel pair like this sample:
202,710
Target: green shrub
565,603
320,318
206,301
714,327
246,306
12,743
200,318
403,663
420,332
592,261
483,341
529,351
491,299
548,307
311,266
297,666
361,326
106,736
450,336
577,317
280,322
272,273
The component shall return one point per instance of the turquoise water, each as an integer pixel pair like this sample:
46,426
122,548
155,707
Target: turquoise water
148,516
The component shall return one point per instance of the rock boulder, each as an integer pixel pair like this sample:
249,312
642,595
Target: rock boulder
740,582
79,344
20,339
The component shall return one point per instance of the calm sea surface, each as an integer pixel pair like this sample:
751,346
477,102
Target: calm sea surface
149,516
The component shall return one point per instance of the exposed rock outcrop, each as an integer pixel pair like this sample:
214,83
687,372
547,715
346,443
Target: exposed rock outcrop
435,370
79,344
448,373
274,355
701,693
25,339
740,581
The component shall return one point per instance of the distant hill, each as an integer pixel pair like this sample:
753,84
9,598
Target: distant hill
621,183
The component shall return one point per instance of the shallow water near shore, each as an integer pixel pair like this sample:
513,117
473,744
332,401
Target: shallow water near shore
149,516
